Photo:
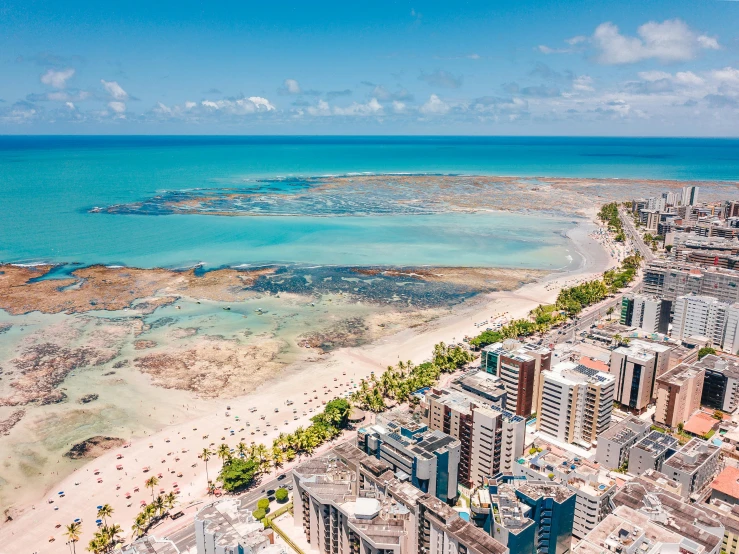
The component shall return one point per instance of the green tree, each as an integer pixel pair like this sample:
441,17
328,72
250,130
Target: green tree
205,455
104,512
73,532
705,351
239,473
224,452
263,503
150,483
718,414
259,514
281,495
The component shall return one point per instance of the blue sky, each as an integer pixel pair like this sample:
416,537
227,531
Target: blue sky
661,67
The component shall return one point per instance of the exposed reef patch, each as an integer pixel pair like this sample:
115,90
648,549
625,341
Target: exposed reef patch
93,447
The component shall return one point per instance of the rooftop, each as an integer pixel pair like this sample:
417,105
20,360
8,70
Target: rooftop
727,482
510,513
626,430
692,456
700,423
231,523
593,364
657,443
573,373
462,402
668,509
542,489
679,374
720,363
480,383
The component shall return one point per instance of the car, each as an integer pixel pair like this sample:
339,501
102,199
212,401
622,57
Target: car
281,477
270,492
277,410
271,498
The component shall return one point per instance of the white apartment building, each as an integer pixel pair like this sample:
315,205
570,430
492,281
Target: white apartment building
636,367
667,280
702,316
576,403
646,313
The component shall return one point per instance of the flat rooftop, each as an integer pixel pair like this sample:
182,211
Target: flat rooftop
626,430
729,366
481,383
231,524
692,456
657,443
540,489
679,375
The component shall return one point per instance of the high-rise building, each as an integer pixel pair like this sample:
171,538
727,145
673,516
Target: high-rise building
429,459
575,403
636,368
486,388
347,502
592,485
667,280
615,443
703,316
678,395
649,314
721,382
690,195
518,365
491,438
527,516
694,466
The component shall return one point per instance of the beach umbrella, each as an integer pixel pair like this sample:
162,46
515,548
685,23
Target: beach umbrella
61,493
78,520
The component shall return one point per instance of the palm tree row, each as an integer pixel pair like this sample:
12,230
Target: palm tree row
106,539
257,458
153,512
398,383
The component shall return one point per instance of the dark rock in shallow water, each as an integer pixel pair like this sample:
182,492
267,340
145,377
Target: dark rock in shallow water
88,398
93,447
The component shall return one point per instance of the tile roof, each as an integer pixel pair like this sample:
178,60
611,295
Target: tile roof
727,482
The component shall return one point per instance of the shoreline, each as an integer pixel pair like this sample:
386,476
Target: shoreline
37,519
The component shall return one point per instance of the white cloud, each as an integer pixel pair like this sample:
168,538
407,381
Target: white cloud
240,106
114,89
162,109
398,107
57,79
292,86
583,83
117,107
435,106
189,105
669,41
373,107
70,105
321,109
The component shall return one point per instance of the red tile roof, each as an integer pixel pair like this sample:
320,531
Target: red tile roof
594,364
727,482
700,423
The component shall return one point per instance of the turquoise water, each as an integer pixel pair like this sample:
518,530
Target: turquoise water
49,184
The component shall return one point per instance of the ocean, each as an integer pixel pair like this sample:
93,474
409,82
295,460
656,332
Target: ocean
50,184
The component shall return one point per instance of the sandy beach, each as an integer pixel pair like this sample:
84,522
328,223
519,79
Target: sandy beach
117,477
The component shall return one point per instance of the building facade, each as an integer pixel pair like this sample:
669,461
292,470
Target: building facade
678,394
694,466
651,452
575,403
636,368
614,444
721,382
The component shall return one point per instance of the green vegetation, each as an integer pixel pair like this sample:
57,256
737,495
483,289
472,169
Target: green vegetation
609,214
570,302
718,414
658,428
281,495
240,471
150,514
709,434
259,514
399,382
534,450
705,351
72,532
263,504
624,468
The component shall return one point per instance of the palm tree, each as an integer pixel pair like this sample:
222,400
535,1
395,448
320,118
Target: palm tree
98,544
104,512
150,483
111,534
170,500
73,533
224,452
278,456
159,504
205,455
139,525
241,448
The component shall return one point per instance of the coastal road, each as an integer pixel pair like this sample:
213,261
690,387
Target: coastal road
636,240
184,538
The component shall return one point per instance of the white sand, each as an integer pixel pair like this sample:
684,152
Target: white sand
31,530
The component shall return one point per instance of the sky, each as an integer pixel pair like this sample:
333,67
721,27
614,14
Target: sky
529,67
